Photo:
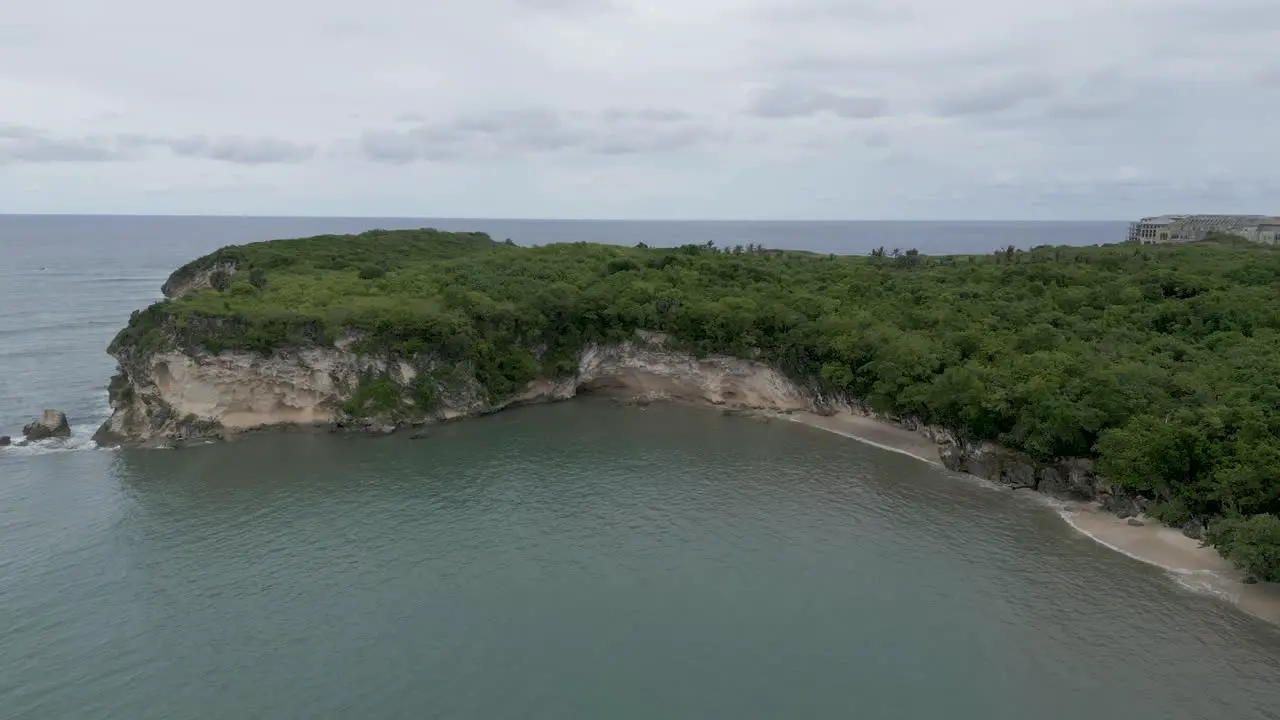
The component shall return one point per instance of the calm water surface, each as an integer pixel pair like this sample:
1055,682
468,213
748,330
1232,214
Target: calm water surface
584,560
580,560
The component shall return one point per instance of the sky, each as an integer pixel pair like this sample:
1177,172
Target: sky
674,109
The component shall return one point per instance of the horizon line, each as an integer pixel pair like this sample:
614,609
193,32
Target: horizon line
556,219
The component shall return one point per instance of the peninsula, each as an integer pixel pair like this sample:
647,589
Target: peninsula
1143,377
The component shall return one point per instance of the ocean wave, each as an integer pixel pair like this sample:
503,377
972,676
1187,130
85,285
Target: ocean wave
1203,582
81,439
1200,581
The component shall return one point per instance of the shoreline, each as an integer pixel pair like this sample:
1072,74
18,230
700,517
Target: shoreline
1195,567
213,388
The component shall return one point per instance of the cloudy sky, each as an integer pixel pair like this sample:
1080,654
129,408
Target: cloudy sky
787,109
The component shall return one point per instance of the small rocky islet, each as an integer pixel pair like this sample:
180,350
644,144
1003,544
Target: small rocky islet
1141,377
50,424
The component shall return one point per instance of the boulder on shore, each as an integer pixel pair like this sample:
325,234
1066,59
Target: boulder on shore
52,424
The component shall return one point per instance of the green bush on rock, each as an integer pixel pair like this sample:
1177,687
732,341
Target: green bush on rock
374,394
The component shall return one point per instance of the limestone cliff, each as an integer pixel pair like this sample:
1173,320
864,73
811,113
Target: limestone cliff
173,396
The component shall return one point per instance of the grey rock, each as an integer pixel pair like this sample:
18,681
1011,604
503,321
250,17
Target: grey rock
5,441
420,435
52,424
1124,506
1135,522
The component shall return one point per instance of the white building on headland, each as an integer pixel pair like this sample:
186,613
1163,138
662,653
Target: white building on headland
1189,228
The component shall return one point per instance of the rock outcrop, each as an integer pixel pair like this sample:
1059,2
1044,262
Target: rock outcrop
1064,478
193,277
52,424
172,396
5,441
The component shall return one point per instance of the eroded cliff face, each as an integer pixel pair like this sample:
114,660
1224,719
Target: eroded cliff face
182,283
1066,478
172,397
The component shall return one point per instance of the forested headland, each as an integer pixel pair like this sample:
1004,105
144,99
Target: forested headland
1161,362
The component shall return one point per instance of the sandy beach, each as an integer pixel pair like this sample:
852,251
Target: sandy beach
1191,564
873,432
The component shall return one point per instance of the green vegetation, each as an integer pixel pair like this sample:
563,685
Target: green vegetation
1159,361
1253,543
374,394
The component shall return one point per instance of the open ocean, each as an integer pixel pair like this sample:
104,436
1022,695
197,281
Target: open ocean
580,560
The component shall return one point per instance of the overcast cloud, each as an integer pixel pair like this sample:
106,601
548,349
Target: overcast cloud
986,109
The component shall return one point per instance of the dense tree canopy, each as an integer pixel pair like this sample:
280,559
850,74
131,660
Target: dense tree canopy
1160,361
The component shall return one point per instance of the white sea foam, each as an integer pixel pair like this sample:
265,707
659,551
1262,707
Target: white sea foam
1221,582
1069,515
81,439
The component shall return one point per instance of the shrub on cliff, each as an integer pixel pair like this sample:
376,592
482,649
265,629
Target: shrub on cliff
219,280
373,395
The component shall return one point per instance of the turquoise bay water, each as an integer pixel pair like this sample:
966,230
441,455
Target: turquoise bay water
572,561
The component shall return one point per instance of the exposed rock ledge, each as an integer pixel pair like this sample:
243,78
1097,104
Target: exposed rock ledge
172,397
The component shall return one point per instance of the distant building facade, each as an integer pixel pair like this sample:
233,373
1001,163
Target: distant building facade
1190,228
1267,233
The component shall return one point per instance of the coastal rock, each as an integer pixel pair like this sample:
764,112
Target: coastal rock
1135,522
1122,504
161,396
5,441
52,424
190,279
1065,479
1194,530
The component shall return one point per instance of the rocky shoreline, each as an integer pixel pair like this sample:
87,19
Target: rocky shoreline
1194,565
172,398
